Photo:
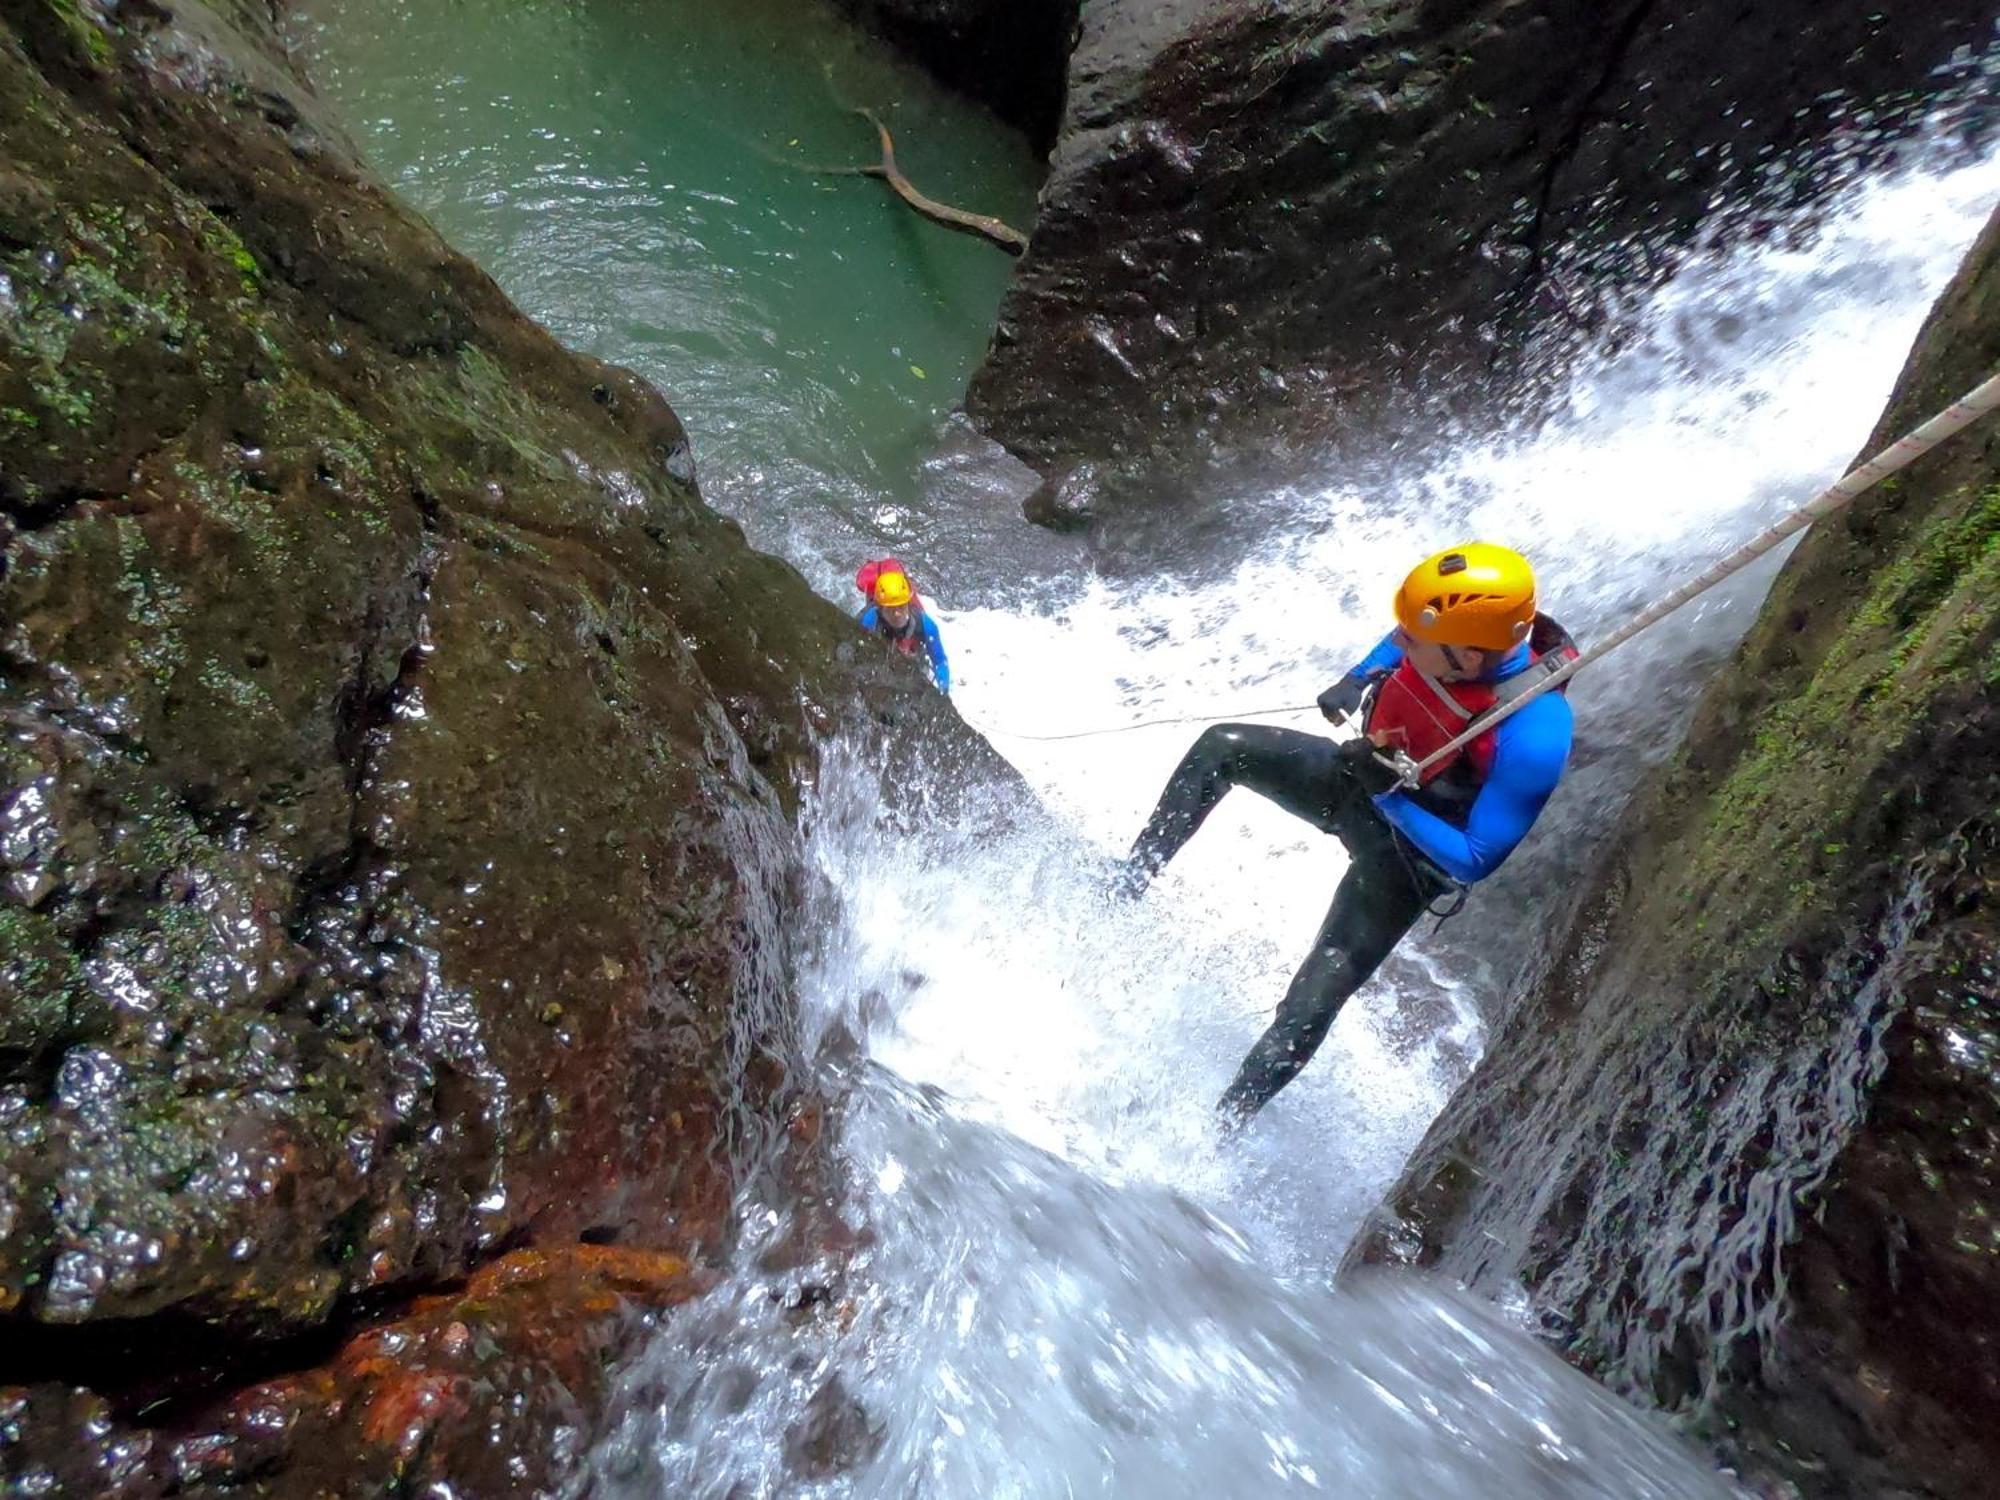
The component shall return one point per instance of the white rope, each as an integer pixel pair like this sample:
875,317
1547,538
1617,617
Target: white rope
1085,734
1900,454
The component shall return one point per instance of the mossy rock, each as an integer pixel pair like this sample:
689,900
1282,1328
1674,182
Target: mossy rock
398,858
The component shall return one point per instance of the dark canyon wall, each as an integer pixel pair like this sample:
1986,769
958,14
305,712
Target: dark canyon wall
1740,1139
1009,54
400,763
1262,218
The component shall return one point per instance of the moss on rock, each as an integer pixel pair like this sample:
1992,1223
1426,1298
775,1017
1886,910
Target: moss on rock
396,846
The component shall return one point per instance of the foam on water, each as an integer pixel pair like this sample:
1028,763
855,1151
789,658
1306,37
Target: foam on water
1021,1329
1069,1285
1108,1034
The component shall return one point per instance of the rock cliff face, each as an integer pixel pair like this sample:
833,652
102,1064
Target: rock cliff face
397,778
1740,1142
1256,214
1009,54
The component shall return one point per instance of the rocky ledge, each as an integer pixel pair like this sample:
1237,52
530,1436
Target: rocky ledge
397,792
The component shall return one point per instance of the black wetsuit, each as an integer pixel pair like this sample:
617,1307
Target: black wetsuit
1386,887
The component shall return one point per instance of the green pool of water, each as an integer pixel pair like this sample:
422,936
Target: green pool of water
630,172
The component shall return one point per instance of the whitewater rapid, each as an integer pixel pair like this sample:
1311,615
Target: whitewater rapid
1066,1284
1106,1035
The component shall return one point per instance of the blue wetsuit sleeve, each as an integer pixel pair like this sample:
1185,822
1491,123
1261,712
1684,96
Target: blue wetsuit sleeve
1385,658
867,619
1529,753
934,648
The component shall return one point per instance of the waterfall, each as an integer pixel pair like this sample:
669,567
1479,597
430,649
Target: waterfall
1071,1284
1063,1282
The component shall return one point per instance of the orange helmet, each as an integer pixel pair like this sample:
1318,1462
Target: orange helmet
892,590
1477,595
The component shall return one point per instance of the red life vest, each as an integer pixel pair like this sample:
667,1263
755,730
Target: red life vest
1420,716
911,641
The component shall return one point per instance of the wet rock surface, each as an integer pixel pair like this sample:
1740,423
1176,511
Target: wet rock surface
398,762
1065,501
1009,54
489,1389
1263,221
1739,1141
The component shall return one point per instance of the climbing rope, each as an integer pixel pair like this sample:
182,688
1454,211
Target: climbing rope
1900,454
1091,734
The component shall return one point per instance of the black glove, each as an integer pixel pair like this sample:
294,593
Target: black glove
1344,697
1375,778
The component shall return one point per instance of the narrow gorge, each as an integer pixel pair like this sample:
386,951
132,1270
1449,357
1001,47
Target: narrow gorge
505,990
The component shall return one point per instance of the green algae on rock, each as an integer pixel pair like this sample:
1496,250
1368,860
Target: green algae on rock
1739,1138
396,845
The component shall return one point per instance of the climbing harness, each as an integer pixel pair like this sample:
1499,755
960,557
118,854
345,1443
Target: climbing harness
1422,872
1900,454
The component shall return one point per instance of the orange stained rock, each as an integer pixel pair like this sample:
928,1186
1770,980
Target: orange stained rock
805,1124
399,1381
627,1267
402,1407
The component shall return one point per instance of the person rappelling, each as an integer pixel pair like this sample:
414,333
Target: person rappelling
897,615
1468,642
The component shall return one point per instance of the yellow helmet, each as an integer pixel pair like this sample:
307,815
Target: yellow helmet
892,590
1477,595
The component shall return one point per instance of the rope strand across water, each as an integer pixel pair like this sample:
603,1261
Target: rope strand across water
1906,450
1087,734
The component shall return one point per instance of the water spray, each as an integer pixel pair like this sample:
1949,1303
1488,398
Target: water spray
1906,450
1900,454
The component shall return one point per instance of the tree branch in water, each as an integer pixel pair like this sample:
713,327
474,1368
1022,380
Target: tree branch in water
985,226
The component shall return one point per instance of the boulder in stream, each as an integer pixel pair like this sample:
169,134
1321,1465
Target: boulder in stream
1267,221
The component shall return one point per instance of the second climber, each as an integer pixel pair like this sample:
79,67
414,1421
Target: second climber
897,615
